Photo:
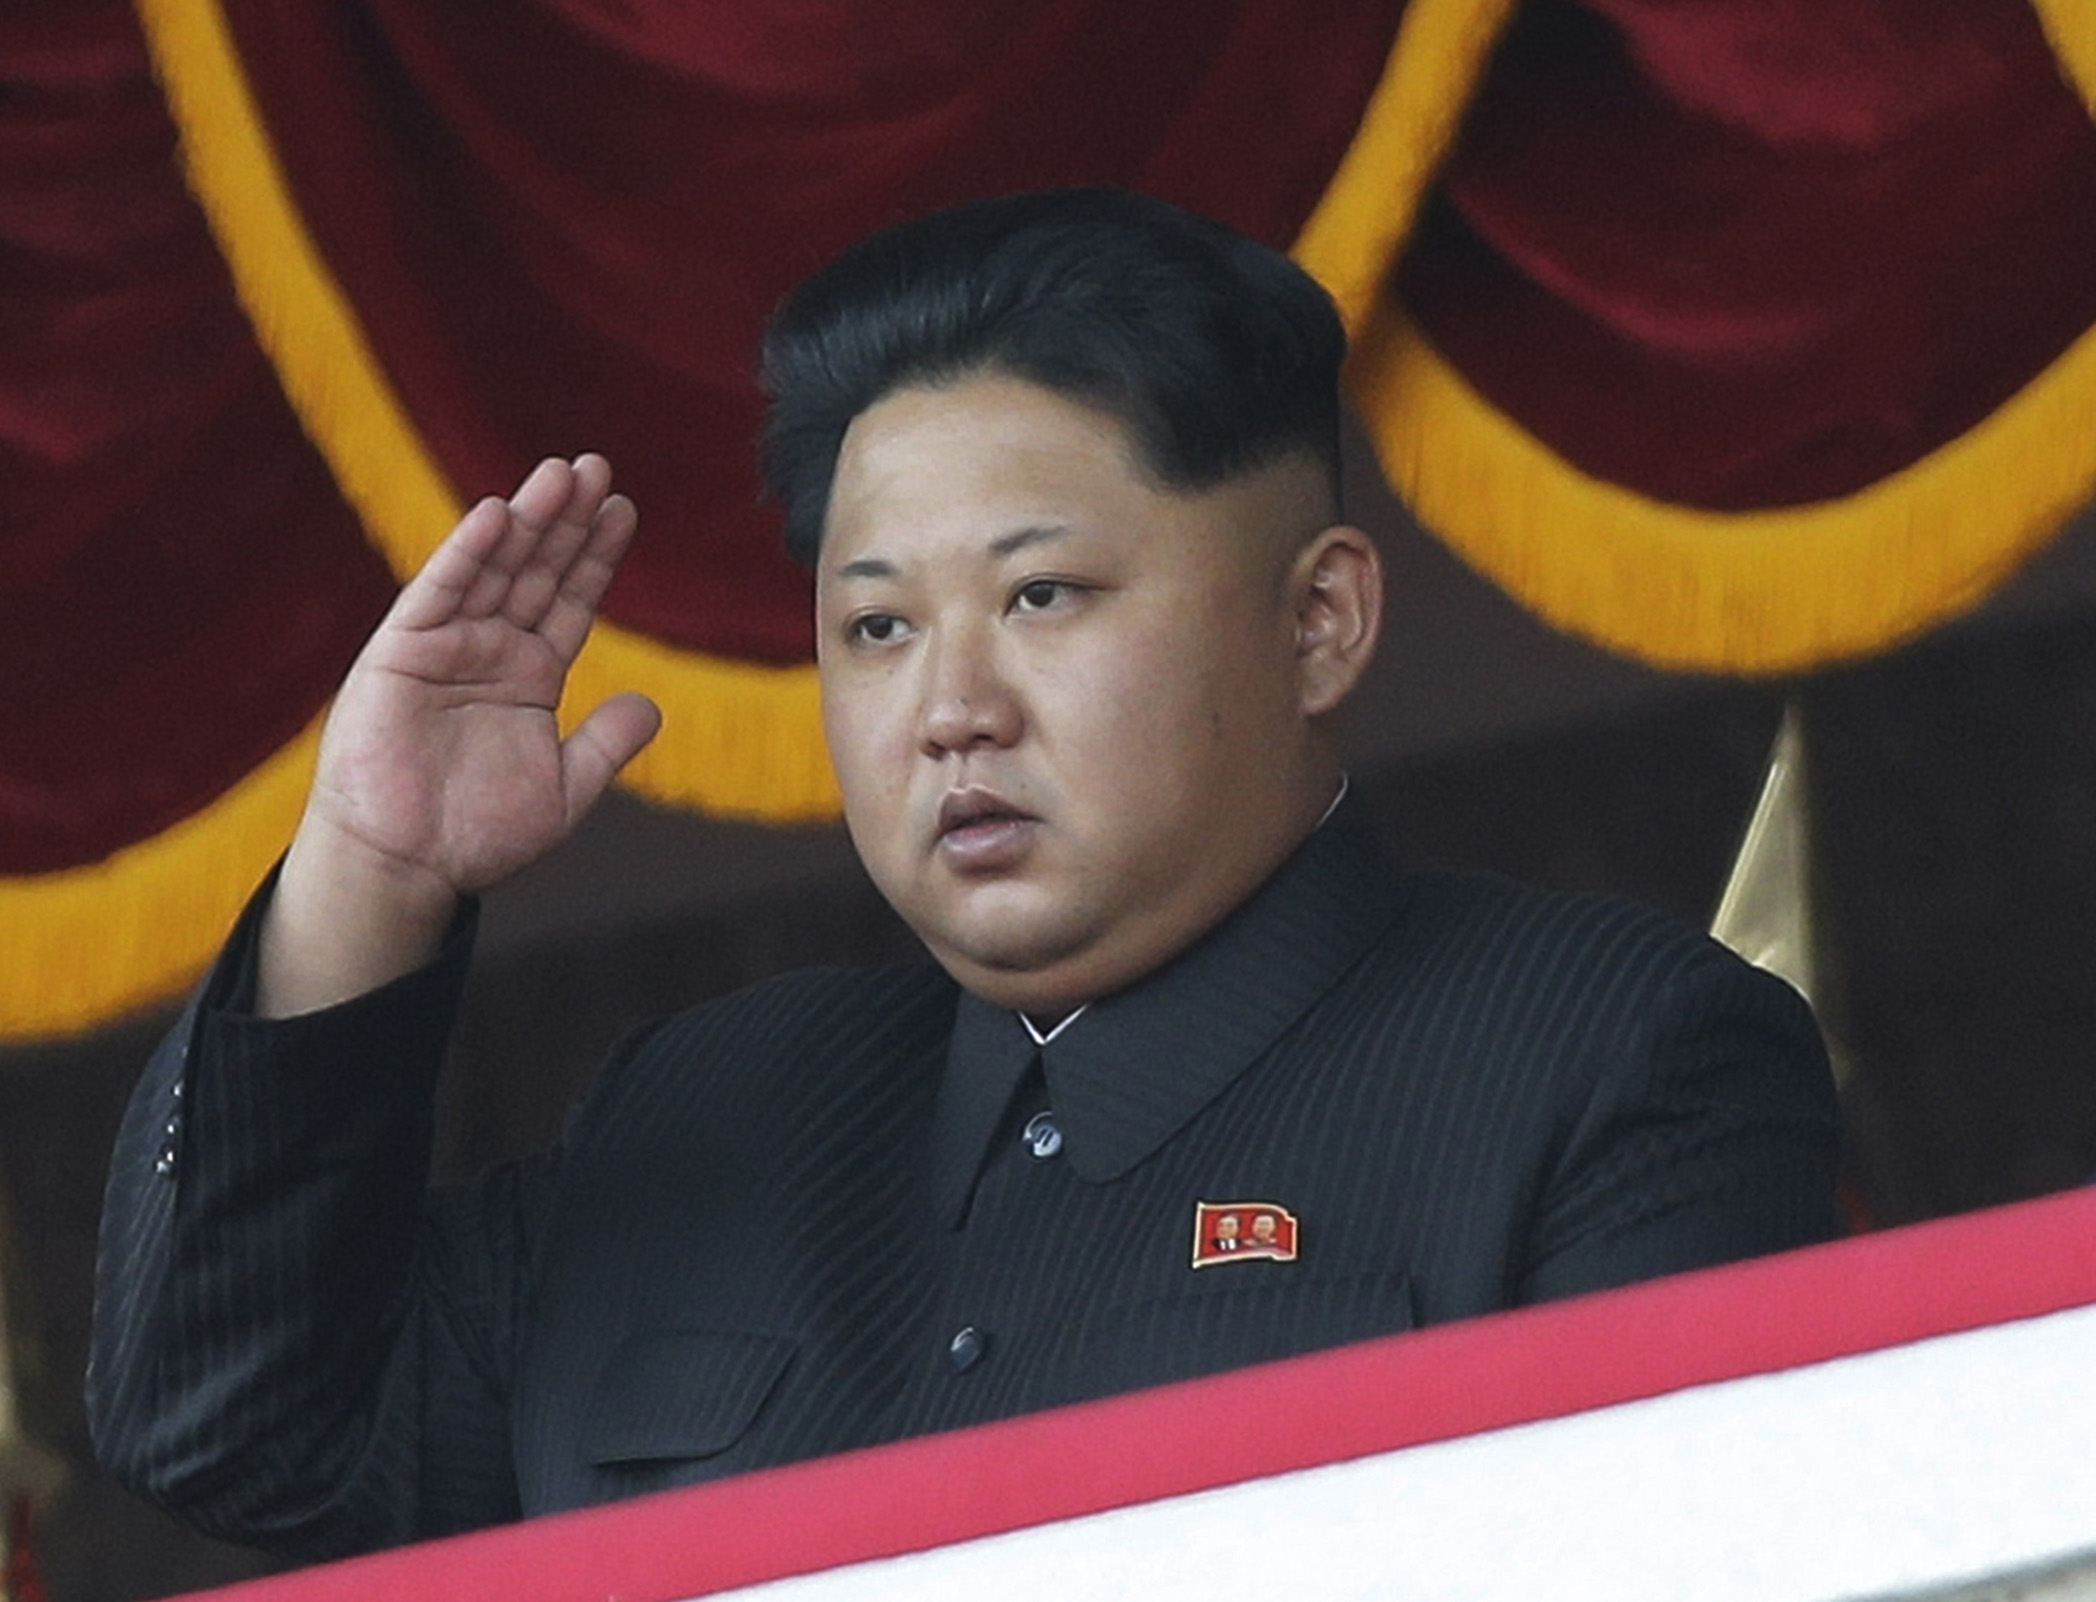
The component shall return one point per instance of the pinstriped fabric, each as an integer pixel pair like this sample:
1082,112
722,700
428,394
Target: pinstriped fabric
219,1288
781,1131
1506,1097
765,1232
1135,1067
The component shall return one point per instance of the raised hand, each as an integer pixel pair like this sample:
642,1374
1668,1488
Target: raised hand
441,768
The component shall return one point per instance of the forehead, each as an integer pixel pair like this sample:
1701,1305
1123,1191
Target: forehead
977,460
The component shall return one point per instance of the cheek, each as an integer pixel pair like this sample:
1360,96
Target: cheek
1204,678
861,738
1146,721
1113,697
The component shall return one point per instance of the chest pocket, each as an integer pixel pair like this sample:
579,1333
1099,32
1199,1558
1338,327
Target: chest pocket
1230,1325
681,1394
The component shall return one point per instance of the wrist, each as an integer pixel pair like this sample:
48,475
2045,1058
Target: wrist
345,920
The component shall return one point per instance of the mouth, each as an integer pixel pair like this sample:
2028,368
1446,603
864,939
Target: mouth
980,829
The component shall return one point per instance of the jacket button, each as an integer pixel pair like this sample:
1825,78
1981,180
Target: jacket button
1042,1136
965,1350
164,1164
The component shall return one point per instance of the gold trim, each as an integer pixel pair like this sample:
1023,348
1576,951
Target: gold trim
2071,27
85,945
1353,237
1750,594
1755,593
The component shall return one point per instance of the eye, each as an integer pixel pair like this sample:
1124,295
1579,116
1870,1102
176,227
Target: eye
875,628
1044,594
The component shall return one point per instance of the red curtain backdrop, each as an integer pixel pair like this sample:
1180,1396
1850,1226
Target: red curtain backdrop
1746,255
566,222
1712,258
562,226
180,584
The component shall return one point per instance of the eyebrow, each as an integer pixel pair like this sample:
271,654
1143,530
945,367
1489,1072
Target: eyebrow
1020,538
1003,546
867,567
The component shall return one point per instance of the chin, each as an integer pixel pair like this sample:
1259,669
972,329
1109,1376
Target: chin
1031,991
1041,975
1023,969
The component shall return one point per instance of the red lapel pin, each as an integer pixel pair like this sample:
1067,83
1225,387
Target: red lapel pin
1243,1232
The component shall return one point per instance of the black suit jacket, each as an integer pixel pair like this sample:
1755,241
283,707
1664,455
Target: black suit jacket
803,1218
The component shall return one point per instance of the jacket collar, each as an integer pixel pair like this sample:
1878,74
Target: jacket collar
1130,1073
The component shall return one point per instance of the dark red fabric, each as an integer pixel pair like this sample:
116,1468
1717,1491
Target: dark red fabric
1752,253
180,584
564,223
1734,253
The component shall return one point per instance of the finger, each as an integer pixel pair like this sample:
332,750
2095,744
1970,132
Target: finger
593,473
539,578
609,738
543,565
546,490
439,591
534,509
573,608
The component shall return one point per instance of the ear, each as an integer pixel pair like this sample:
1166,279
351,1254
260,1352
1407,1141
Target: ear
1336,588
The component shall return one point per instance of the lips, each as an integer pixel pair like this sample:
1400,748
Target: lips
980,829
976,806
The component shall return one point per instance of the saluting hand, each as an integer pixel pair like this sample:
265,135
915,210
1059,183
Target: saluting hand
441,768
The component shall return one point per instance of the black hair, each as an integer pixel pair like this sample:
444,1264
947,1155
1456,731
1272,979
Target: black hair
1217,353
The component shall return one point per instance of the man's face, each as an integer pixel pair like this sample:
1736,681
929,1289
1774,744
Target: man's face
1064,705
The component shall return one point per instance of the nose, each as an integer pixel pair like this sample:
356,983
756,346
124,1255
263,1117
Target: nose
968,701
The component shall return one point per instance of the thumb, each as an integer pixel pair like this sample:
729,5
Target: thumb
604,742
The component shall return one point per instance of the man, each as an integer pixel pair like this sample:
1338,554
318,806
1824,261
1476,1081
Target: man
1065,468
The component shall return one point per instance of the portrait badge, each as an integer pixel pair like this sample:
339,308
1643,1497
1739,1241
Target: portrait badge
1243,1232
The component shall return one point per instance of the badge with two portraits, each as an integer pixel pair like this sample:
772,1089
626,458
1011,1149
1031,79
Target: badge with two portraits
1243,1232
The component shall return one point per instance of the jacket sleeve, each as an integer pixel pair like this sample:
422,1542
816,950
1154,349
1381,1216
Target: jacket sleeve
295,1345
1711,1135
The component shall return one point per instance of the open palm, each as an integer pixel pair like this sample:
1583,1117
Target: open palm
442,754
442,768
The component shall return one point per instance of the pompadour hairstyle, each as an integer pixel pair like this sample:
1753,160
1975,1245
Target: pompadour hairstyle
1218,354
